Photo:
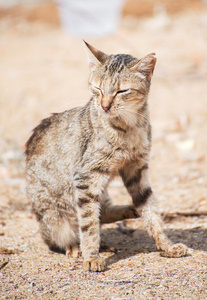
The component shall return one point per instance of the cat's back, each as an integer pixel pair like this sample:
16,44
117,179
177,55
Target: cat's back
51,132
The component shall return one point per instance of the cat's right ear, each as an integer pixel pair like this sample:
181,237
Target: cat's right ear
95,57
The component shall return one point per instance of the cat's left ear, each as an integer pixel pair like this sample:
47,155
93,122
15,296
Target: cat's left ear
95,57
146,65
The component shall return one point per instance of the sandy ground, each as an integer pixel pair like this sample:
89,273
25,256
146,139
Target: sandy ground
44,70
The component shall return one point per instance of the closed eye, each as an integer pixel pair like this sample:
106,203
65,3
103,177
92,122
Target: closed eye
122,91
97,88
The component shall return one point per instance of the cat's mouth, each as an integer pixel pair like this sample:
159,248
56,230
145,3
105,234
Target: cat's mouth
126,115
108,111
114,114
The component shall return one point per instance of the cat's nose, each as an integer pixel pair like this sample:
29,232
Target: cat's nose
106,108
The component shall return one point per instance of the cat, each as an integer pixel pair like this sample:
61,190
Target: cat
71,158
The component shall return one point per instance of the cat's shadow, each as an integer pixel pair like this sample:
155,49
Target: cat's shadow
125,246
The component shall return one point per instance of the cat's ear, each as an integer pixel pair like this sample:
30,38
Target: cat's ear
146,65
95,57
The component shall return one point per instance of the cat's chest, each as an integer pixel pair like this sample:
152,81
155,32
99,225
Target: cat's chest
130,146
112,151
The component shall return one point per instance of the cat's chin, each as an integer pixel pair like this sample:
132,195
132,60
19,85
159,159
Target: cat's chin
117,119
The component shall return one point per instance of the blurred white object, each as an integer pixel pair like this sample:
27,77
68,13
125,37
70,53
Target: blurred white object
85,18
10,3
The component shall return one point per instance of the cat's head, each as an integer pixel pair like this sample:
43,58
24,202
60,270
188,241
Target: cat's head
119,83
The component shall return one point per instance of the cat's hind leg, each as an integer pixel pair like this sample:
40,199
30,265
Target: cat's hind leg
73,251
112,213
58,232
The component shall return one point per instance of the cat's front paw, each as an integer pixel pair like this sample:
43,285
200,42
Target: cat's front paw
176,250
94,264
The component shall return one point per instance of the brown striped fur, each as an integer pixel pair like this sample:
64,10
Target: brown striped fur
72,157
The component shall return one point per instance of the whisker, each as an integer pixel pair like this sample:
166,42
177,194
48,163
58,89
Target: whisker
135,112
128,118
131,118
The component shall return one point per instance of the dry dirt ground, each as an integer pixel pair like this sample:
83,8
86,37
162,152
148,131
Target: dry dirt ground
44,70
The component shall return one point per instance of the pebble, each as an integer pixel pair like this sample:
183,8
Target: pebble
185,145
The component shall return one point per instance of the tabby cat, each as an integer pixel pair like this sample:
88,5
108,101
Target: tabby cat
73,156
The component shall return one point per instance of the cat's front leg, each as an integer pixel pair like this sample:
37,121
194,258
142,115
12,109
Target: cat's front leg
88,196
136,180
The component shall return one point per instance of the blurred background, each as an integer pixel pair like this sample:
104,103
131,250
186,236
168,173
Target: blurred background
44,70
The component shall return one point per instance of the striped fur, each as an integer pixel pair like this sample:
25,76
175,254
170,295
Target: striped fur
72,157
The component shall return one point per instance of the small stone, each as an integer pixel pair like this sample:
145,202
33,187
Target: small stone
185,145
